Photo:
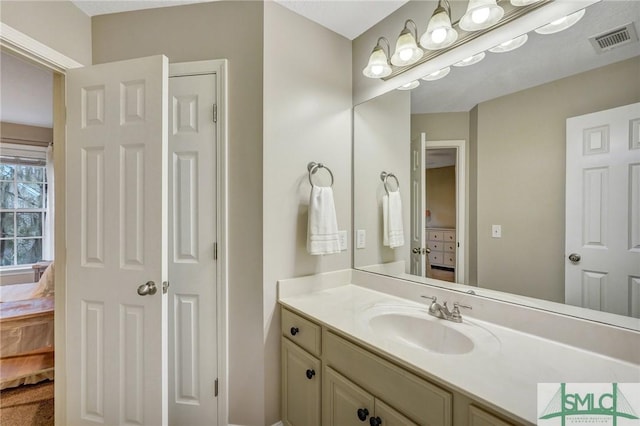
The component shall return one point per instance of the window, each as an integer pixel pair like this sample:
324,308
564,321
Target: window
23,210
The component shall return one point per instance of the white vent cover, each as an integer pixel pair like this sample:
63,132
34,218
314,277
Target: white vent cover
614,38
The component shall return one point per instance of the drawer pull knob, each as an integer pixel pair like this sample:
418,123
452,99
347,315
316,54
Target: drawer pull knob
294,331
363,413
310,374
375,421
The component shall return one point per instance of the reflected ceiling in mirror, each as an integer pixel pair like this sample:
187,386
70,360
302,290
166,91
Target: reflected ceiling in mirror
511,110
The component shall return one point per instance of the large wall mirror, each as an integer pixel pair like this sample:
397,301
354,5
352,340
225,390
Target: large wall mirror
480,160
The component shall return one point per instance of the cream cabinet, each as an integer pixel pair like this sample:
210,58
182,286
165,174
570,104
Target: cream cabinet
329,380
346,404
443,244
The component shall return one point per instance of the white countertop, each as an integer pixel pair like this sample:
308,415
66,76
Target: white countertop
502,371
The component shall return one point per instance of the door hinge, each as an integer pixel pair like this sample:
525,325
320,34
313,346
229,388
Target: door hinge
215,113
215,251
215,388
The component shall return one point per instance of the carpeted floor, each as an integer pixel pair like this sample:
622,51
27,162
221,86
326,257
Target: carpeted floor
27,405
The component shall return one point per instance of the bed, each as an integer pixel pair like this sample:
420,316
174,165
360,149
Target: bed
26,331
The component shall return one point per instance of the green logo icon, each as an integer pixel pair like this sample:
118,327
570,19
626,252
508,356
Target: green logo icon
565,404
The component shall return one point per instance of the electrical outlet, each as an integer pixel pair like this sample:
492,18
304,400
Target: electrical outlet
496,231
342,235
361,238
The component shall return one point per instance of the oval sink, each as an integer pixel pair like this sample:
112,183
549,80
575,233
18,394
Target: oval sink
412,326
422,332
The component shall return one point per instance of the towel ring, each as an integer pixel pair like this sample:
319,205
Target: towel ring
384,176
313,167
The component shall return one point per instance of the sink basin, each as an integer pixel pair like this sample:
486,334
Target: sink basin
412,326
431,335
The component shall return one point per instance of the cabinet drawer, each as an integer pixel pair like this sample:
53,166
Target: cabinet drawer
434,245
450,246
479,417
449,259
301,331
435,235
435,257
416,398
449,236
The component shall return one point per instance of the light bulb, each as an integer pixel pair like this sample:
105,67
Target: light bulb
438,35
480,15
406,54
377,69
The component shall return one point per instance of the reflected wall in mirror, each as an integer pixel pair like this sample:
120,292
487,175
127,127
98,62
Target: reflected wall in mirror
512,111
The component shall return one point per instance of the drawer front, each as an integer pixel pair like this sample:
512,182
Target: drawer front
450,246
435,257
301,331
479,417
435,235
434,245
449,259
449,236
419,400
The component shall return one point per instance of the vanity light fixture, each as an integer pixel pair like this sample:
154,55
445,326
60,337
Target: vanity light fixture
409,86
561,24
481,14
510,45
437,75
378,65
407,51
440,32
470,60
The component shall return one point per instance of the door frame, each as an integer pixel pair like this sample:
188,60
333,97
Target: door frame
33,50
461,191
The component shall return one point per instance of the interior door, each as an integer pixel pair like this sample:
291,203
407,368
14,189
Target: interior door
418,237
193,356
603,211
116,208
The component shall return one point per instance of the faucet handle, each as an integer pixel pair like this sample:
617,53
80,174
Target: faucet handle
457,305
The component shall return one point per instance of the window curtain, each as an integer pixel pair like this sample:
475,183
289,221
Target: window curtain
48,239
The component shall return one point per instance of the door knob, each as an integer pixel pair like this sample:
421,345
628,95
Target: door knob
416,250
148,288
574,257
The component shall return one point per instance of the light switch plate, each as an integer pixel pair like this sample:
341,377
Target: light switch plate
361,238
342,235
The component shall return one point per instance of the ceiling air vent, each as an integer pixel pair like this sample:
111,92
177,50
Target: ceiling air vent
614,38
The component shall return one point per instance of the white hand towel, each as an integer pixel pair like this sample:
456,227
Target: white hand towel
322,233
393,231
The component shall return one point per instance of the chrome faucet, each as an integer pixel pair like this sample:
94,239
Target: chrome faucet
442,311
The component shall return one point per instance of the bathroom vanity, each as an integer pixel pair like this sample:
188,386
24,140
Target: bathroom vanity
357,349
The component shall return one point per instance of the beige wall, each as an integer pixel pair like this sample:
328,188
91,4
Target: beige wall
382,142
521,176
57,24
441,197
232,30
307,117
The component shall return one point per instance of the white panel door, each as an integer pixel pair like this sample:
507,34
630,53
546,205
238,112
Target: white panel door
418,237
603,211
116,243
192,265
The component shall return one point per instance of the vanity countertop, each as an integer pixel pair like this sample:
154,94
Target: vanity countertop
502,373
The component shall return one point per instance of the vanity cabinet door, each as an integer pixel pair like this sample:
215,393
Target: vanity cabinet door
387,416
300,386
343,402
